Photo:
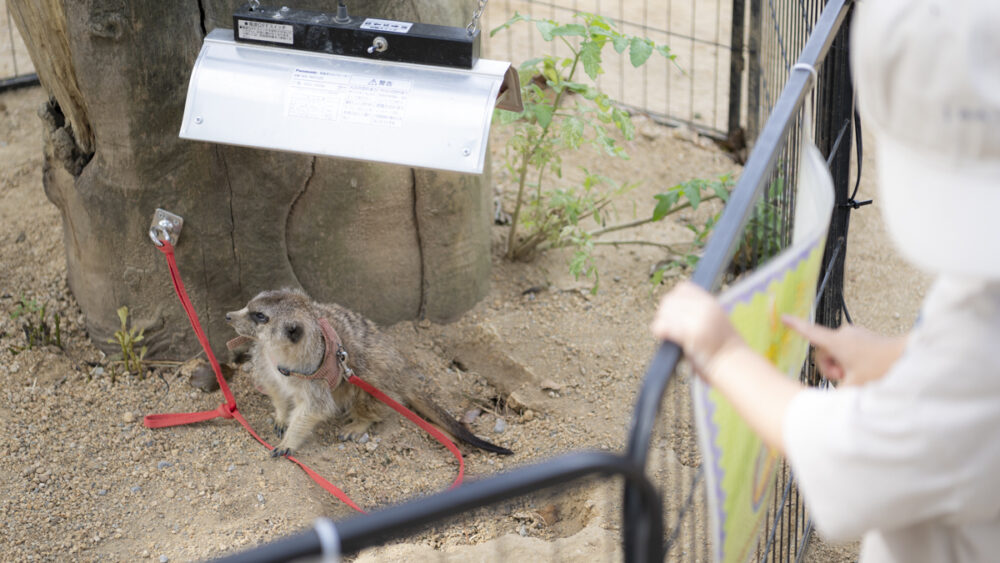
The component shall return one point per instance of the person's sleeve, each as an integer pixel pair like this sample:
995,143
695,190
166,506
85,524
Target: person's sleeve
865,458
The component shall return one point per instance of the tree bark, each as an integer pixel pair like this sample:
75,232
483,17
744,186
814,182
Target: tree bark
391,242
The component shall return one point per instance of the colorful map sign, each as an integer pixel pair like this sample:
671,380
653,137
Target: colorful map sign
739,468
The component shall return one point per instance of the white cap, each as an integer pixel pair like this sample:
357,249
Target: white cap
928,79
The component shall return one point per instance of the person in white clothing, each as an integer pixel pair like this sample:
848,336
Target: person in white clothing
905,453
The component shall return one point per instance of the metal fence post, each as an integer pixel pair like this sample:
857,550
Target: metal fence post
835,108
754,70
736,67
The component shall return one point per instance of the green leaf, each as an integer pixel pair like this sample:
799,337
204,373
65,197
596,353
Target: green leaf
590,55
570,30
122,315
665,51
692,191
545,27
596,22
657,277
620,43
571,132
544,114
517,18
664,203
721,189
624,123
531,64
639,51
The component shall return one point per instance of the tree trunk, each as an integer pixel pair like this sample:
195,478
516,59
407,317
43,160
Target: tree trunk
388,241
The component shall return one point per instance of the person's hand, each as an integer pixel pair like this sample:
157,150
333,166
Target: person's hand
850,354
691,317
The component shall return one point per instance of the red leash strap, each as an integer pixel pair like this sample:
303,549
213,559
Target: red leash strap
230,410
175,277
371,390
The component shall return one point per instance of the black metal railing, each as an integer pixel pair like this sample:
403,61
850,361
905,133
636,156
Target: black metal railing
768,177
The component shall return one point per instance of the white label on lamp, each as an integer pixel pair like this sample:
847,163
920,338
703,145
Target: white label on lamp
386,25
337,96
374,100
263,31
316,94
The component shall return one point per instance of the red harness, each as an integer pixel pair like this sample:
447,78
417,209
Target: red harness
229,409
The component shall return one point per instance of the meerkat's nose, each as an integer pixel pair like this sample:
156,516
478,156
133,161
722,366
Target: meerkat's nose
228,317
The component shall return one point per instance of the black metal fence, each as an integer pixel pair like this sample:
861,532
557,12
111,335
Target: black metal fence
760,206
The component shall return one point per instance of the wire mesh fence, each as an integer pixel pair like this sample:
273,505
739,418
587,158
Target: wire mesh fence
16,68
693,90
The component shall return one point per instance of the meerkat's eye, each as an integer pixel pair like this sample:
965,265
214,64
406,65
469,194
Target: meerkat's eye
258,317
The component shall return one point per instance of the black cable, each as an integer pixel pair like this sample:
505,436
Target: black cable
857,143
843,306
851,201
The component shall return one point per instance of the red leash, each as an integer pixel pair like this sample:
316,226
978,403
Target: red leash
230,410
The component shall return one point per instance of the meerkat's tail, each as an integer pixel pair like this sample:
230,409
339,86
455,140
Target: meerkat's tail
434,413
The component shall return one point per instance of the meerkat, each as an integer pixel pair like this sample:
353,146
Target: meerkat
289,355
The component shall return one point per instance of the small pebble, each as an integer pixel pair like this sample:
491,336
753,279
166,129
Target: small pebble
164,465
500,426
364,438
136,489
102,492
260,498
164,559
528,415
128,417
169,493
370,446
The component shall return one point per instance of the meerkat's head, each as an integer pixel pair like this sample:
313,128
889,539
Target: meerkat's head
283,323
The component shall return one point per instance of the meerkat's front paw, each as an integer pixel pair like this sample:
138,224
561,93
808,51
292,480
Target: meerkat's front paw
279,429
281,452
354,430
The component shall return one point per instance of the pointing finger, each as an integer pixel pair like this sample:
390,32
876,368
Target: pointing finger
817,334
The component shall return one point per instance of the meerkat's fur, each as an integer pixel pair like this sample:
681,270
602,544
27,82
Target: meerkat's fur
284,329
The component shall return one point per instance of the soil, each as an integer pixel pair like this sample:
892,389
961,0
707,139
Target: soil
82,478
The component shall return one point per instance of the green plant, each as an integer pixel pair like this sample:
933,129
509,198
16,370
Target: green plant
36,328
549,125
547,216
765,234
127,338
694,192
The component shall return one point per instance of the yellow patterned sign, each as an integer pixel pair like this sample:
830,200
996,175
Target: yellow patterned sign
739,468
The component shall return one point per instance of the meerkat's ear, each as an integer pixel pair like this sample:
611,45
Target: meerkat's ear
294,332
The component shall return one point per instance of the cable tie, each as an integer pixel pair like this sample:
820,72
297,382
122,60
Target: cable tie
329,540
854,204
807,67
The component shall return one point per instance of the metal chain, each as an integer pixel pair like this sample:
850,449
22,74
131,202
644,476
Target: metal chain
476,14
